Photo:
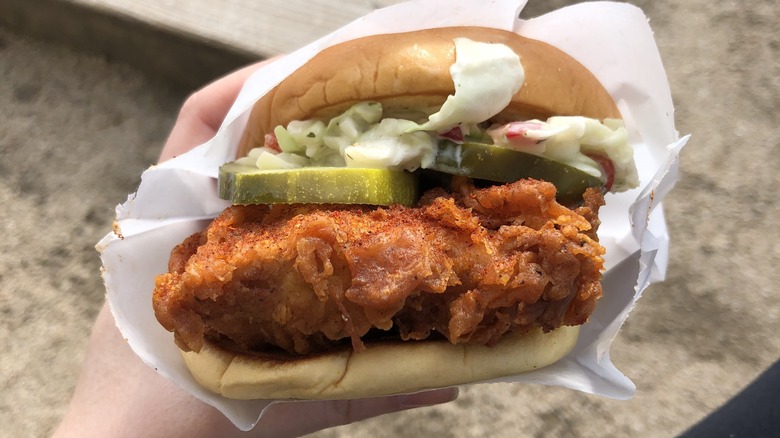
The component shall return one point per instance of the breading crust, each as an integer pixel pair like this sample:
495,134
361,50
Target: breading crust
470,265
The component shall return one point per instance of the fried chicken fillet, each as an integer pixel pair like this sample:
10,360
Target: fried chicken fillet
468,265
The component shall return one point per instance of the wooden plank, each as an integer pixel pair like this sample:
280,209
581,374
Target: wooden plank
184,61
265,27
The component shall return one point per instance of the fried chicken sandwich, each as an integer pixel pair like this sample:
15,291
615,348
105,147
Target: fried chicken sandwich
412,211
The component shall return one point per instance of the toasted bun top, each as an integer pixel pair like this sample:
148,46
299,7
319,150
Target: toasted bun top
382,369
411,70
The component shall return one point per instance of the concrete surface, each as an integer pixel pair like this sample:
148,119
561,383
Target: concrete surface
77,130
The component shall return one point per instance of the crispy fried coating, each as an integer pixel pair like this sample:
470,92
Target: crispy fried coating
469,265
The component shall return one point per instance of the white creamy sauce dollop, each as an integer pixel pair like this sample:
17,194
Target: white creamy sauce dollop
486,76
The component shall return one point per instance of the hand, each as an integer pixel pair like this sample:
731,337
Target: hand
118,395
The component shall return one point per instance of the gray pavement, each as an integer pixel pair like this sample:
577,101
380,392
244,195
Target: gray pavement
77,130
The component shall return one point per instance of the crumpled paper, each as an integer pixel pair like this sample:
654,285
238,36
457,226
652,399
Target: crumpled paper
613,40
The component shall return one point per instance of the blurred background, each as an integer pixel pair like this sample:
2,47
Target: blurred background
90,89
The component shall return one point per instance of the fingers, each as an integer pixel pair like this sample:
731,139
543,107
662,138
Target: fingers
202,113
342,412
300,418
118,395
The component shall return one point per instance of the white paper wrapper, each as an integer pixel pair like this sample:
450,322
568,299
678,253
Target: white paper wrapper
176,198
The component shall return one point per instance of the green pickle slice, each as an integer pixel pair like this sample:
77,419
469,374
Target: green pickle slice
244,184
493,163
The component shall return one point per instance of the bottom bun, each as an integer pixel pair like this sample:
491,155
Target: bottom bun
384,368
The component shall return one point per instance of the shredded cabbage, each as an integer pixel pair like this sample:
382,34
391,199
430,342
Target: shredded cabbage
392,143
486,76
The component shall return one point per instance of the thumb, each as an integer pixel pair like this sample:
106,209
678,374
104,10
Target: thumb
290,419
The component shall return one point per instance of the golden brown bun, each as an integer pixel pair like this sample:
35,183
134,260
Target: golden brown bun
382,369
412,70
